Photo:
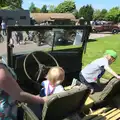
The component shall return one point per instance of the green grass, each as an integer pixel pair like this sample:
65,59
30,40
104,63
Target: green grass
96,49
62,47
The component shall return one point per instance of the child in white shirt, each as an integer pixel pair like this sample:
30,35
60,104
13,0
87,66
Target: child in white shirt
55,77
52,85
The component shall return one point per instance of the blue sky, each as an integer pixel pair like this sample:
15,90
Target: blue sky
97,4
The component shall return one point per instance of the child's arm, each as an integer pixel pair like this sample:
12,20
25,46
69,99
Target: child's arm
112,72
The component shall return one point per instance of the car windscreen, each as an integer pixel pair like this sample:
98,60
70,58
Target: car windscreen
28,41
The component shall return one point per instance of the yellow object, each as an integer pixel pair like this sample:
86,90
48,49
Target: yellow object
115,117
116,112
88,104
68,88
89,101
104,114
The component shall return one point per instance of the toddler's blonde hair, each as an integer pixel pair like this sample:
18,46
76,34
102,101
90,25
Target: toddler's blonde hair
55,74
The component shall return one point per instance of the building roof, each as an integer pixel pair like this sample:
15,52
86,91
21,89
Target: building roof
39,17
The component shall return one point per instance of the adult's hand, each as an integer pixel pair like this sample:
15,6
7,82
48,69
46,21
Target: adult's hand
45,99
10,86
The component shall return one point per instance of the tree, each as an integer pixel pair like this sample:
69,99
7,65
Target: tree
6,8
103,13
66,6
86,12
51,9
44,9
12,3
99,14
96,14
33,8
113,14
37,10
76,14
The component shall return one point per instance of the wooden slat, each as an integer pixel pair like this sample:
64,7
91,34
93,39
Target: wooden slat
116,112
109,112
99,111
103,115
115,117
94,114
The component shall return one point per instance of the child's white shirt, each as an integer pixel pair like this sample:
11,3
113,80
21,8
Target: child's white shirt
51,90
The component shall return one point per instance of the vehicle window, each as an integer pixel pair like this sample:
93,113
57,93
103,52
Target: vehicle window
44,39
10,18
23,17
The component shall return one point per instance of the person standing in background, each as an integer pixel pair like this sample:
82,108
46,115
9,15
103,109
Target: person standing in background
3,26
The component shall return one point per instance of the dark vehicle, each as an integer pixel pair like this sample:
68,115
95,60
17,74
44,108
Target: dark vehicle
64,35
68,34
60,35
114,28
75,103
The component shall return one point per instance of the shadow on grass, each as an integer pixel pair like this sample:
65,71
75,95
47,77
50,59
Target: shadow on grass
92,40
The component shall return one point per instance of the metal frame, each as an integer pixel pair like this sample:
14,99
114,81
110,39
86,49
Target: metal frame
10,29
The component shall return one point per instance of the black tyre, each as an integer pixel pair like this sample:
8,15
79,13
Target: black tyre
72,37
94,31
115,31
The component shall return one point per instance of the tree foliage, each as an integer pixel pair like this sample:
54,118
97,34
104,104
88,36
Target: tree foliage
96,15
66,6
103,14
113,14
44,9
86,12
33,8
12,3
76,14
99,14
51,9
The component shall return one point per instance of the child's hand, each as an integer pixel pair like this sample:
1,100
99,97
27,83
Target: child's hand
92,91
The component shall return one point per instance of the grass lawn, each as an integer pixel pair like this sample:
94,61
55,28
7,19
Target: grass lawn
96,49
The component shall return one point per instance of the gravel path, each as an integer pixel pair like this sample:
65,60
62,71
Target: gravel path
98,35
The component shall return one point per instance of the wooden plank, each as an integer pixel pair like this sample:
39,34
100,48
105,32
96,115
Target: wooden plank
116,112
103,115
94,114
115,117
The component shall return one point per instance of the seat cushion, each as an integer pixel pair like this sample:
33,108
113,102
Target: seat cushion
110,90
61,105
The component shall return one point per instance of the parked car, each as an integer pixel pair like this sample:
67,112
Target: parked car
114,28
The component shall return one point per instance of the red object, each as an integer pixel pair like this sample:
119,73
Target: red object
110,27
95,78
